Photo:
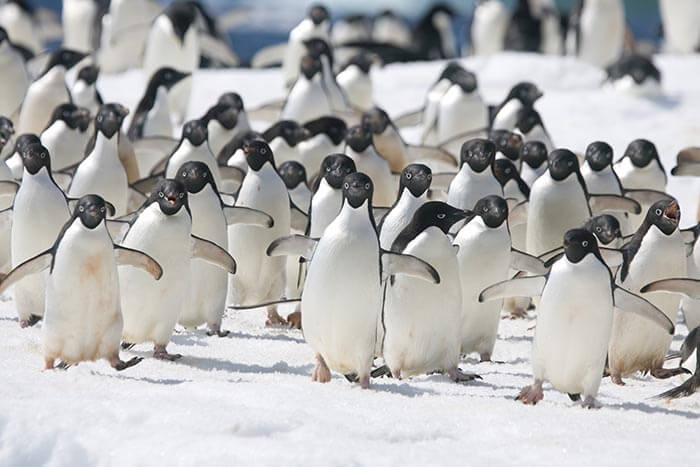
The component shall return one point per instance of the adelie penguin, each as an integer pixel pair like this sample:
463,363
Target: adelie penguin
508,145
14,75
522,95
326,136
342,298
283,138
690,345
225,120
163,230
635,74
597,31
360,148
308,98
193,146
606,229
475,178
327,199
574,324
529,124
83,320
84,91
294,177
355,81
534,161
488,29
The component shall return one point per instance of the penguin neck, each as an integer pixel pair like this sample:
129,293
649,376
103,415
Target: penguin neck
106,149
480,225
408,201
350,216
468,172
42,177
187,147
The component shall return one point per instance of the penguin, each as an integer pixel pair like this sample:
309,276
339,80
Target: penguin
40,211
15,162
635,74
47,91
224,122
14,75
8,189
102,172
413,193
308,98
262,278
598,173
294,177
606,229
193,146
342,298
508,145
326,135
327,199
355,81
489,25
530,126
656,251
574,322
84,91
551,31
83,320
523,94
597,31
320,49
283,138
361,150
485,256
66,136
152,116
475,178
423,320
433,35
210,217
233,99
81,21
533,155
233,155
163,230
524,33
680,25
389,28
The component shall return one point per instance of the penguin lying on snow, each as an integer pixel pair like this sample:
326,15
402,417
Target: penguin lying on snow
687,163
635,74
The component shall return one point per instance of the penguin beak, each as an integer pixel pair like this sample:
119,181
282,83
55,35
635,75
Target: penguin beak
673,212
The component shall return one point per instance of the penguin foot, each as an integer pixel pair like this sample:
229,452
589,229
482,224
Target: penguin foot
364,382
31,321
665,373
127,345
590,403
160,353
120,365
617,379
215,330
531,395
321,372
688,388
63,365
460,376
274,319
518,313
294,320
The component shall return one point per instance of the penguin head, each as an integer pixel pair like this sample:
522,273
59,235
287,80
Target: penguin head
66,58
34,157
504,171
599,155
376,119
289,130
318,14
182,15
24,140
359,138
528,118
109,118
232,99
562,163
605,227
293,174
641,152
416,178
72,115
310,66
236,143
195,131
334,128
450,70
492,209
257,153
465,79
578,243
665,215
478,153
195,175
7,129
534,153
166,77
171,195
527,93
362,60
335,167
507,143
357,188
89,74
92,210
431,214
224,114
317,48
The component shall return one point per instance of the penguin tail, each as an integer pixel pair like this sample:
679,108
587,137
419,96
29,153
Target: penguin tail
688,388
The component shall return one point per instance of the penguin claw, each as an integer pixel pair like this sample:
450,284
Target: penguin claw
518,313
590,403
161,354
459,376
531,395
274,319
122,365
216,331
63,365
665,373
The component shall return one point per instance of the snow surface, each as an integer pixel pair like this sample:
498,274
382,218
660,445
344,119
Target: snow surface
249,398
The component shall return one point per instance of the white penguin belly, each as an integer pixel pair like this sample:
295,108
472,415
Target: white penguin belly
357,86
602,32
468,187
489,28
158,118
460,113
307,100
187,152
399,217
43,96
374,165
325,207
680,22
507,117
66,146
313,150
690,307
283,152
650,177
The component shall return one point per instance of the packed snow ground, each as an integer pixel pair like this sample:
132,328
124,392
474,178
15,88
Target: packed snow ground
248,398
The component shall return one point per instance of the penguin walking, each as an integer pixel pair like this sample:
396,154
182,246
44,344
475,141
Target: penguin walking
508,146
574,322
163,230
475,178
102,172
14,75
360,148
342,298
522,95
326,136
66,136
193,146
83,320
355,81
534,161
283,138
488,31
81,21
598,173
597,31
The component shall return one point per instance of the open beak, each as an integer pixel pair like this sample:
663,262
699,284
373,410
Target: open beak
673,212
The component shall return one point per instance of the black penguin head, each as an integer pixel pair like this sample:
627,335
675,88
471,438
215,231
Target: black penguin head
182,15
376,119
478,153
605,227
224,114
334,169
333,127
528,118
599,155
310,66
89,74
92,210
236,143
359,138
72,115
465,79
357,188
450,70
562,163
167,77
293,174
257,153
416,178
318,14
7,129
289,130
430,214
493,210
504,171
66,58
362,60
533,153
318,48
35,157
232,99
665,215
508,143
641,152
25,140
527,93
195,175
195,131
171,195
578,243
639,67
109,118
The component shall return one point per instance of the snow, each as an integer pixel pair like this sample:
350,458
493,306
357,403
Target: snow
249,398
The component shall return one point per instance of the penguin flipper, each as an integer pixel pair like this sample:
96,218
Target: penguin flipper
6,217
686,169
212,254
146,185
416,153
691,235
687,287
412,118
293,245
299,218
478,133
249,216
442,180
518,215
691,154
397,263
629,302
31,266
521,287
648,196
550,256
269,56
601,203
138,259
522,261
8,187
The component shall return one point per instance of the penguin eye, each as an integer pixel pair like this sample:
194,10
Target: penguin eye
81,208
99,118
598,229
328,169
585,243
570,163
441,216
409,176
346,186
204,175
658,212
184,174
182,195
430,177
102,209
263,151
160,194
43,155
486,209
507,171
366,186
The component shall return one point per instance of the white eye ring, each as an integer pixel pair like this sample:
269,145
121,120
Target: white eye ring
570,163
366,186
184,174
441,216
160,194
430,177
409,175
328,169
43,155
99,118
598,229
81,208
263,151
585,243
507,171
102,209
182,195
486,209
347,185
658,212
